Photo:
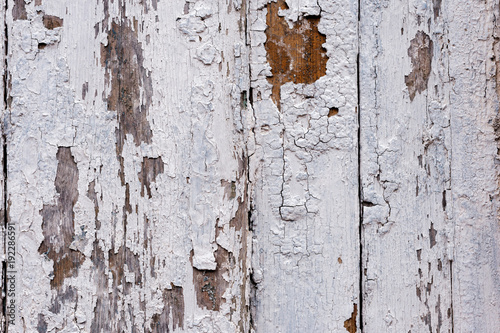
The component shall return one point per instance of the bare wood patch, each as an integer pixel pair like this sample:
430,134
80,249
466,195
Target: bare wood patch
436,6
432,236
151,167
41,327
350,324
173,307
122,57
333,112
420,52
103,310
117,261
240,219
68,296
51,22
211,285
58,221
296,55
85,90
19,10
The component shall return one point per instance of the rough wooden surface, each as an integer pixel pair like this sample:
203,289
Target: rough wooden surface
3,205
304,165
128,164
474,100
251,166
405,169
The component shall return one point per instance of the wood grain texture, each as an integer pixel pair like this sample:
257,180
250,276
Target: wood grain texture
125,123
4,241
473,69
303,166
405,141
250,166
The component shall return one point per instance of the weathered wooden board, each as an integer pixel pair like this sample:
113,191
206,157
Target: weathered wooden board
304,166
474,67
429,180
128,165
4,240
405,167
250,166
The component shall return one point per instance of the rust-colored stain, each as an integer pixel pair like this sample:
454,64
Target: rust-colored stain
295,54
122,57
173,307
58,221
51,22
151,167
350,324
38,2
211,285
19,10
420,52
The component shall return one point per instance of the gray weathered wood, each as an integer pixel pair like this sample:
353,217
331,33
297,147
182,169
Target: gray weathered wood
405,168
304,166
474,121
128,165
251,165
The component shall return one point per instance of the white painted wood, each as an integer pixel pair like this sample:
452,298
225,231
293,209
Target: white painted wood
473,69
303,170
405,141
3,214
165,173
126,128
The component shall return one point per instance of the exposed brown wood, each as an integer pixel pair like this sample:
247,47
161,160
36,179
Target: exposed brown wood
211,285
173,308
51,22
151,167
296,54
420,52
350,324
122,57
58,221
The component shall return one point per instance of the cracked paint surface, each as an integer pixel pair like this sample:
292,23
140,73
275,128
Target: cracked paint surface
146,191
304,214
405,169
168,172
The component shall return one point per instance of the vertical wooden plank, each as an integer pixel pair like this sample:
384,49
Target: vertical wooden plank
474,72
3,215
405,167
304,165
127,165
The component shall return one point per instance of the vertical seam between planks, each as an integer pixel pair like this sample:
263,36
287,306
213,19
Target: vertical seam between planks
452,254
451,295
360,193
249,101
